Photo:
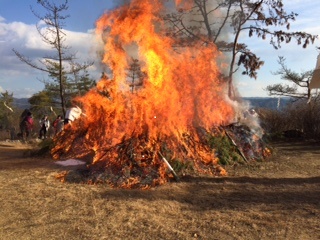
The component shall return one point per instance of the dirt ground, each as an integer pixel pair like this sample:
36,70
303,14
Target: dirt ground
276,199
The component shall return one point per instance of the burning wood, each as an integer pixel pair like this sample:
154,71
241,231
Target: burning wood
137,162
182,98
251,146
235,144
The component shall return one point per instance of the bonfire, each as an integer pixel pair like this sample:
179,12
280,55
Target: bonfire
131,139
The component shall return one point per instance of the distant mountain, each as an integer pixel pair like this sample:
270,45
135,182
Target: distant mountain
268,102
255,102
21,103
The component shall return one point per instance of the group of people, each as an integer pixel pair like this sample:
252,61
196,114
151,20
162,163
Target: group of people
44,122
27,123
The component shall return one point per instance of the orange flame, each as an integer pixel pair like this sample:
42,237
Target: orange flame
182,88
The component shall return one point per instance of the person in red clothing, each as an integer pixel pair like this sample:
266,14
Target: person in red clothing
58,124
26,126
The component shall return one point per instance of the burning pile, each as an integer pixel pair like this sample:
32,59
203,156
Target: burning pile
126,134
249,143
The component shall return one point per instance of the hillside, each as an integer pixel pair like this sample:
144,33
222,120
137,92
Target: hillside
268,102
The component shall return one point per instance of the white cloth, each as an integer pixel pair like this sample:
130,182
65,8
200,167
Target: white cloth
73,113
70,162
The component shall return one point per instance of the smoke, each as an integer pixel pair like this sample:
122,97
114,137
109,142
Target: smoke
118,3
192,19
246,115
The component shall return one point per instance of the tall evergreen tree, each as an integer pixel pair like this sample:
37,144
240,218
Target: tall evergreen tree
61,64
135,75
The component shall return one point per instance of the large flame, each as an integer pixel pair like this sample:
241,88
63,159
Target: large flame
182,91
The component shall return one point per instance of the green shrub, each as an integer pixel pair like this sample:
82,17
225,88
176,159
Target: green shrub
226,151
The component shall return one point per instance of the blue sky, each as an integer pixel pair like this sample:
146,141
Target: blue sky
17,30
297,58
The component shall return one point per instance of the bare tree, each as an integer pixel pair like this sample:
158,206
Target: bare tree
210,21
297,85
61,63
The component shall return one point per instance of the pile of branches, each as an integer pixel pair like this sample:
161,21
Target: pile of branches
249,144
141,162
137,161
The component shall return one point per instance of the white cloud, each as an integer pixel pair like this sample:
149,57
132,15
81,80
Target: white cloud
241,84
23,80
251,88
24,92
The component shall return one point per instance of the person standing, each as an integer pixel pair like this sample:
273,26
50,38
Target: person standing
26,126
44,127
12,133
57,124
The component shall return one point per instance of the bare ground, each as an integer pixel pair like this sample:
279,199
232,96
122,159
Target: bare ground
277,199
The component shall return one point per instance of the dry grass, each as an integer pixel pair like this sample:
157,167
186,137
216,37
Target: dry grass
278,199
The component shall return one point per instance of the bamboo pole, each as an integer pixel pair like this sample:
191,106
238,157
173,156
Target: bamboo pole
5,104
169,166
234,143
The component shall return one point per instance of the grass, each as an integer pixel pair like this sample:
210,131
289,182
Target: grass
275,200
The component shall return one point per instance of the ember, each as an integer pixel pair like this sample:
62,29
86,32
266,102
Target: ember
126,134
